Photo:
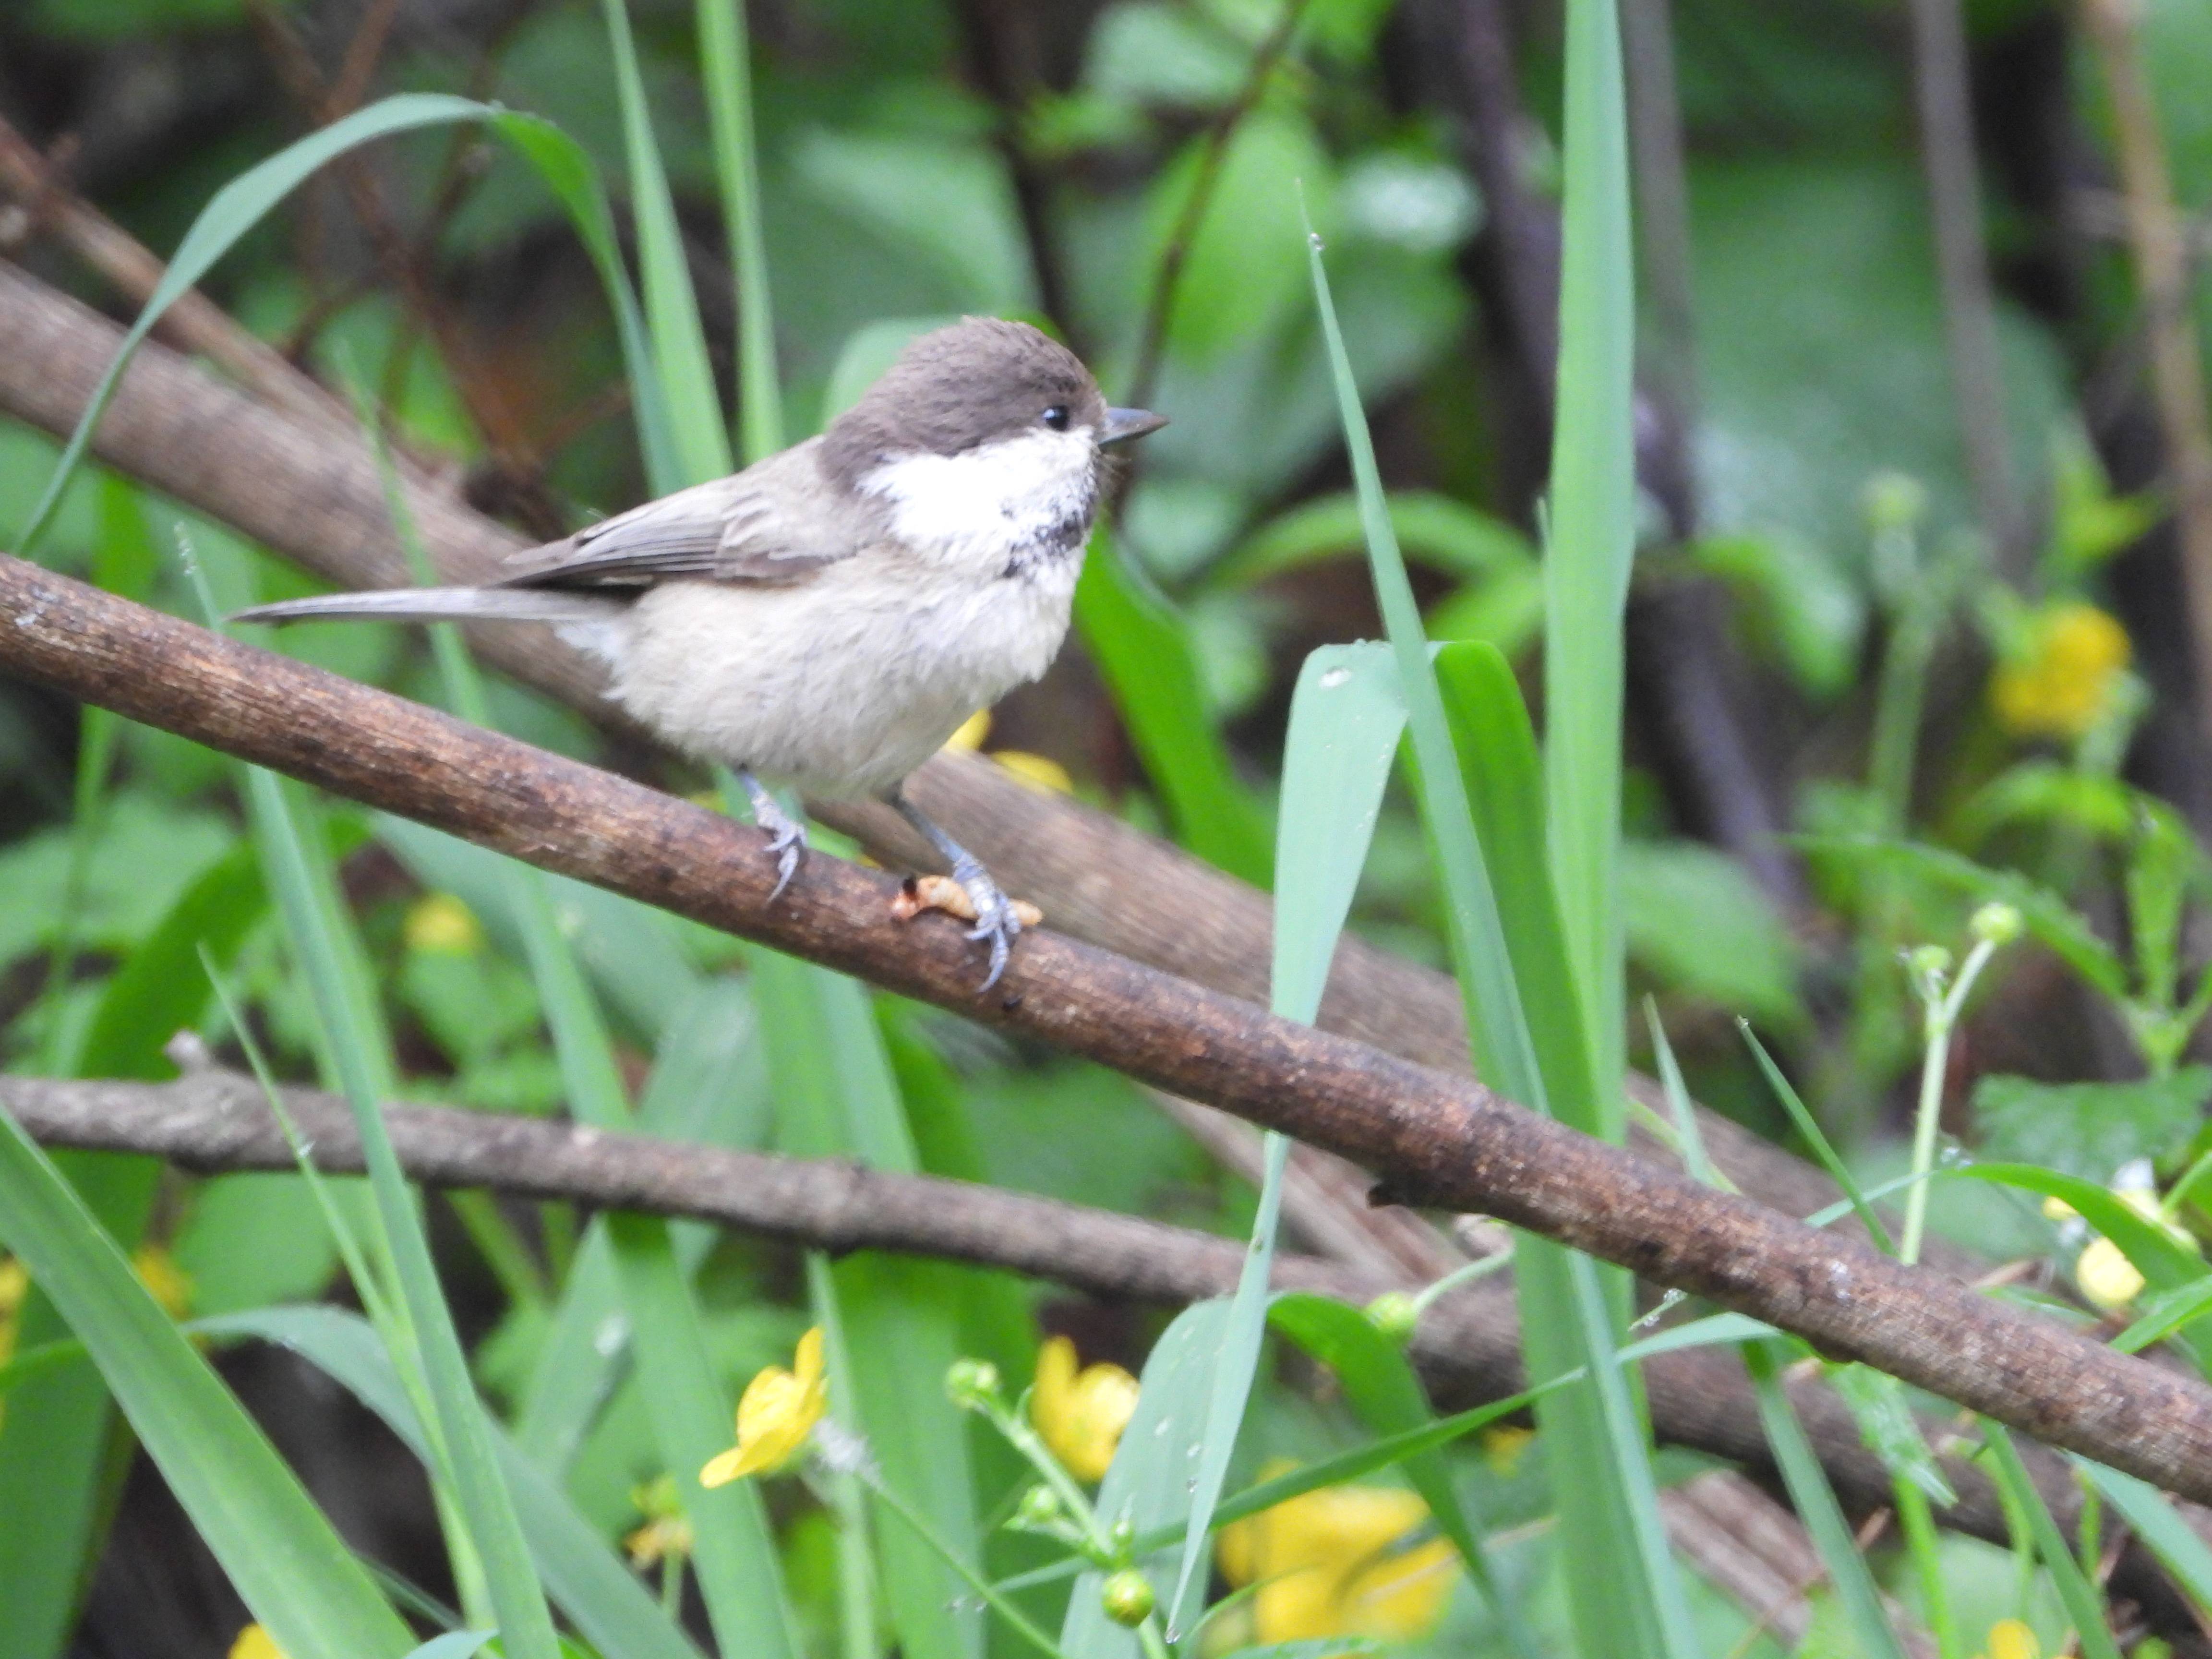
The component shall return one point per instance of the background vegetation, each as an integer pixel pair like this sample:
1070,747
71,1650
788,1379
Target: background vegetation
1907,635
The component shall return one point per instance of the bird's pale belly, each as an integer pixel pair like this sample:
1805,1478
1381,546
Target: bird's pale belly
841,684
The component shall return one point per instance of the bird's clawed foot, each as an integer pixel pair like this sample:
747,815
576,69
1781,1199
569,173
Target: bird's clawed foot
787,836
998,920
995,919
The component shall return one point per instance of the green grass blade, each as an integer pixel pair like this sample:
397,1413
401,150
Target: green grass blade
1696,1333
1380,1386
1345,718
1151,665
733,1553
594,1587
672,305
1814,1500
726,64
284,1557
1592,533
1148,1484
453,1644
479,1490
1610,1501
246,200
2154,1520
837,1097
1808,1126
1377,1456
2082,1603
54,1438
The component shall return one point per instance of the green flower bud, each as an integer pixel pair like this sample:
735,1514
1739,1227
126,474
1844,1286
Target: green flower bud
972,1384
1040,1507
1894,501
1128,1598
1928,961
1997,923
1395,1314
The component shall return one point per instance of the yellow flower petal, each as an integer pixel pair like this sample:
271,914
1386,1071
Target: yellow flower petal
1081,1414
255,1643
1331,1564
972,732
775,1415
2105,1275
159,1273
1039,772
2064,682
2011,1638
438,924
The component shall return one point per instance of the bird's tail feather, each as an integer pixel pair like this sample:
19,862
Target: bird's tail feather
442,604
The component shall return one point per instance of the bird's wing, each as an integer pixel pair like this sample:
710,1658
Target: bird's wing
778,520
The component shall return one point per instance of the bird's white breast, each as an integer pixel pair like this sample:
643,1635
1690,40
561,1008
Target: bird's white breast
846,682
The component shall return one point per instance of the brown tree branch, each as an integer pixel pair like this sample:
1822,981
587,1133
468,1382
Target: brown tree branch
1438,1139
1468,1346
316,498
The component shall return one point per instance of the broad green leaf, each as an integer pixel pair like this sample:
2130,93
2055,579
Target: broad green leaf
284,1557
1346,717
1148,1485
1696,921
2088,1129
1570,1311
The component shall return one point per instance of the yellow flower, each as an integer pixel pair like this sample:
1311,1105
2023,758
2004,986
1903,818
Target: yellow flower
2011,1638
778,1412
438,924
2105,1275
972,732
159,1273
255,1643
666,1533
1502,1448
1081,1414
1338,1562
15,1285
1041,773
2064,684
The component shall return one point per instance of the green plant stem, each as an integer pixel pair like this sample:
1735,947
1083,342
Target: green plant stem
1026,1441
1918,1526
919,1524
1941,1019
1480,1268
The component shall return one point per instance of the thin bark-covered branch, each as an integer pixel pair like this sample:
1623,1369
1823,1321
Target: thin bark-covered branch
1436,1139
315,498
1468,1346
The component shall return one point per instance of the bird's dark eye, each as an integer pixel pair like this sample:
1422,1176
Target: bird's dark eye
1056,417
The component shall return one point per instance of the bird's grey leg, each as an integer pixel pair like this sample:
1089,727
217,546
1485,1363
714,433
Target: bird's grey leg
994,917
786,835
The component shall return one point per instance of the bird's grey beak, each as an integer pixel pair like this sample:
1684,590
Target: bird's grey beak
1123,424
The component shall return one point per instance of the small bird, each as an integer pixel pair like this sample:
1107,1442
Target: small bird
829,616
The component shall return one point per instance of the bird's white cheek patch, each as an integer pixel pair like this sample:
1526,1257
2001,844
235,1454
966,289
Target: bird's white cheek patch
982,505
